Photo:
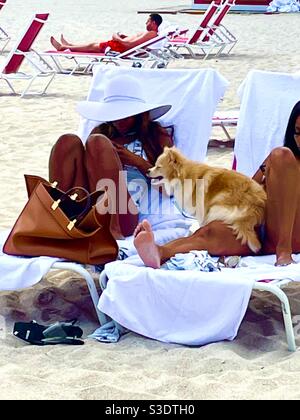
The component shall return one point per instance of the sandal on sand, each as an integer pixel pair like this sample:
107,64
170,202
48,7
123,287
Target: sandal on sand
41,335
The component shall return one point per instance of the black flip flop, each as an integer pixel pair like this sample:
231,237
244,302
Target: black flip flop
41,335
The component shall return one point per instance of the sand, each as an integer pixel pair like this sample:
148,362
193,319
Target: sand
256,365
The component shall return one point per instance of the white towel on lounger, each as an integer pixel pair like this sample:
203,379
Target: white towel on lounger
267,99
193,94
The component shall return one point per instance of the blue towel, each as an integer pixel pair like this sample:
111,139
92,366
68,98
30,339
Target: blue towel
193,260
109,333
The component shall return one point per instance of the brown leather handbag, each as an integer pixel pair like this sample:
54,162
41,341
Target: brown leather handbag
62,224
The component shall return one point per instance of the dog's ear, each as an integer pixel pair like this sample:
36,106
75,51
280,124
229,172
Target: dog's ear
174,160
172,154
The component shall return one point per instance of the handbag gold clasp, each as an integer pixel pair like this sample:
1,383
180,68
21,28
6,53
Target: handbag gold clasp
74,196
55,204
71,224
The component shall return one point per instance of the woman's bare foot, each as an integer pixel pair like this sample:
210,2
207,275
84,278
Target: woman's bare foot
56,44
64,41
146,246
284,258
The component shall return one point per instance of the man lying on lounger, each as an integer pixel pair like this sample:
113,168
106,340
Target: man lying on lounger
119,42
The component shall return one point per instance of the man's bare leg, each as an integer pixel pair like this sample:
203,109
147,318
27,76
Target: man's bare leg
57,45
217,238
64,41
88,48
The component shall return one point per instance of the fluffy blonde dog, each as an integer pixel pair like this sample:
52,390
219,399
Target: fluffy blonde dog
210,193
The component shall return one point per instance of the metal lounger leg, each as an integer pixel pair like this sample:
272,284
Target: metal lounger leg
10,85
286,311
90,283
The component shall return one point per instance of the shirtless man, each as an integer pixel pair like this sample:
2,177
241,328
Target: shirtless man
119,42
280,174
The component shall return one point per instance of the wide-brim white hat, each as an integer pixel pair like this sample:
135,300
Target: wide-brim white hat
123,97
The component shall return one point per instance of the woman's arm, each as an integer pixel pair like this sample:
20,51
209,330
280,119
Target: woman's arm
130,159
259,175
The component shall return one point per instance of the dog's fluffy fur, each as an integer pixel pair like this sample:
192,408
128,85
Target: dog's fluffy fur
224,195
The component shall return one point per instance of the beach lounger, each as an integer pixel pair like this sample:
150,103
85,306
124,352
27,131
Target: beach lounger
222,32
195,39
225,120
210,36
151,53
38,67
4,37
179,88
253,144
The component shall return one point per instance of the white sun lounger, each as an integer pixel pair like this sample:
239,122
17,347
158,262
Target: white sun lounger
23,51
151,53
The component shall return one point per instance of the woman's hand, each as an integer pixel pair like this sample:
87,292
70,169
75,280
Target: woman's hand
130,159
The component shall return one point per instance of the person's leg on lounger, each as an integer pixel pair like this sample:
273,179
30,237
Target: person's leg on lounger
93,47
72,165
281,175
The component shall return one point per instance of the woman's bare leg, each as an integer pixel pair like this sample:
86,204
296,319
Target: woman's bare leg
283,205
217,238
88,48
282,221
103,163
66,163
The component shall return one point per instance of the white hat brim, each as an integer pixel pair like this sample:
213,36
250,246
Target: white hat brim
117,110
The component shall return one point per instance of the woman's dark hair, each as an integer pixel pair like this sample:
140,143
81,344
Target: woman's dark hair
151,133
289,140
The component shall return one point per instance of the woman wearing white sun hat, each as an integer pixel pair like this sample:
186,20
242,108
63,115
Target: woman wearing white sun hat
127,138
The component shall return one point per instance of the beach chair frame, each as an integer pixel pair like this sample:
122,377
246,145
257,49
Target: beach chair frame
39,66
152,53
211,37
275,287
217,28
4,37
225,120
199,39
83,272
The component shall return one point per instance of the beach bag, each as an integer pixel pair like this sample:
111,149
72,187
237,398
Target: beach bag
62,224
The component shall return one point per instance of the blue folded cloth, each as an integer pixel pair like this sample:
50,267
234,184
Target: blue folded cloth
109,333
193,260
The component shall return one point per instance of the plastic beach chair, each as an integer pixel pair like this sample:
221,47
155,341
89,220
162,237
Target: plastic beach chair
210,35
151,53
252,146
207,83
23,52
196,37
258,92
4,37
224,120
217,28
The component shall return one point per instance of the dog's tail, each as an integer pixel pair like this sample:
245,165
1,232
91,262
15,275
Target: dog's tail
241,221
245,231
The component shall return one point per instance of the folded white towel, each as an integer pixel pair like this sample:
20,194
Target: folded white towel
267,99
193,94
